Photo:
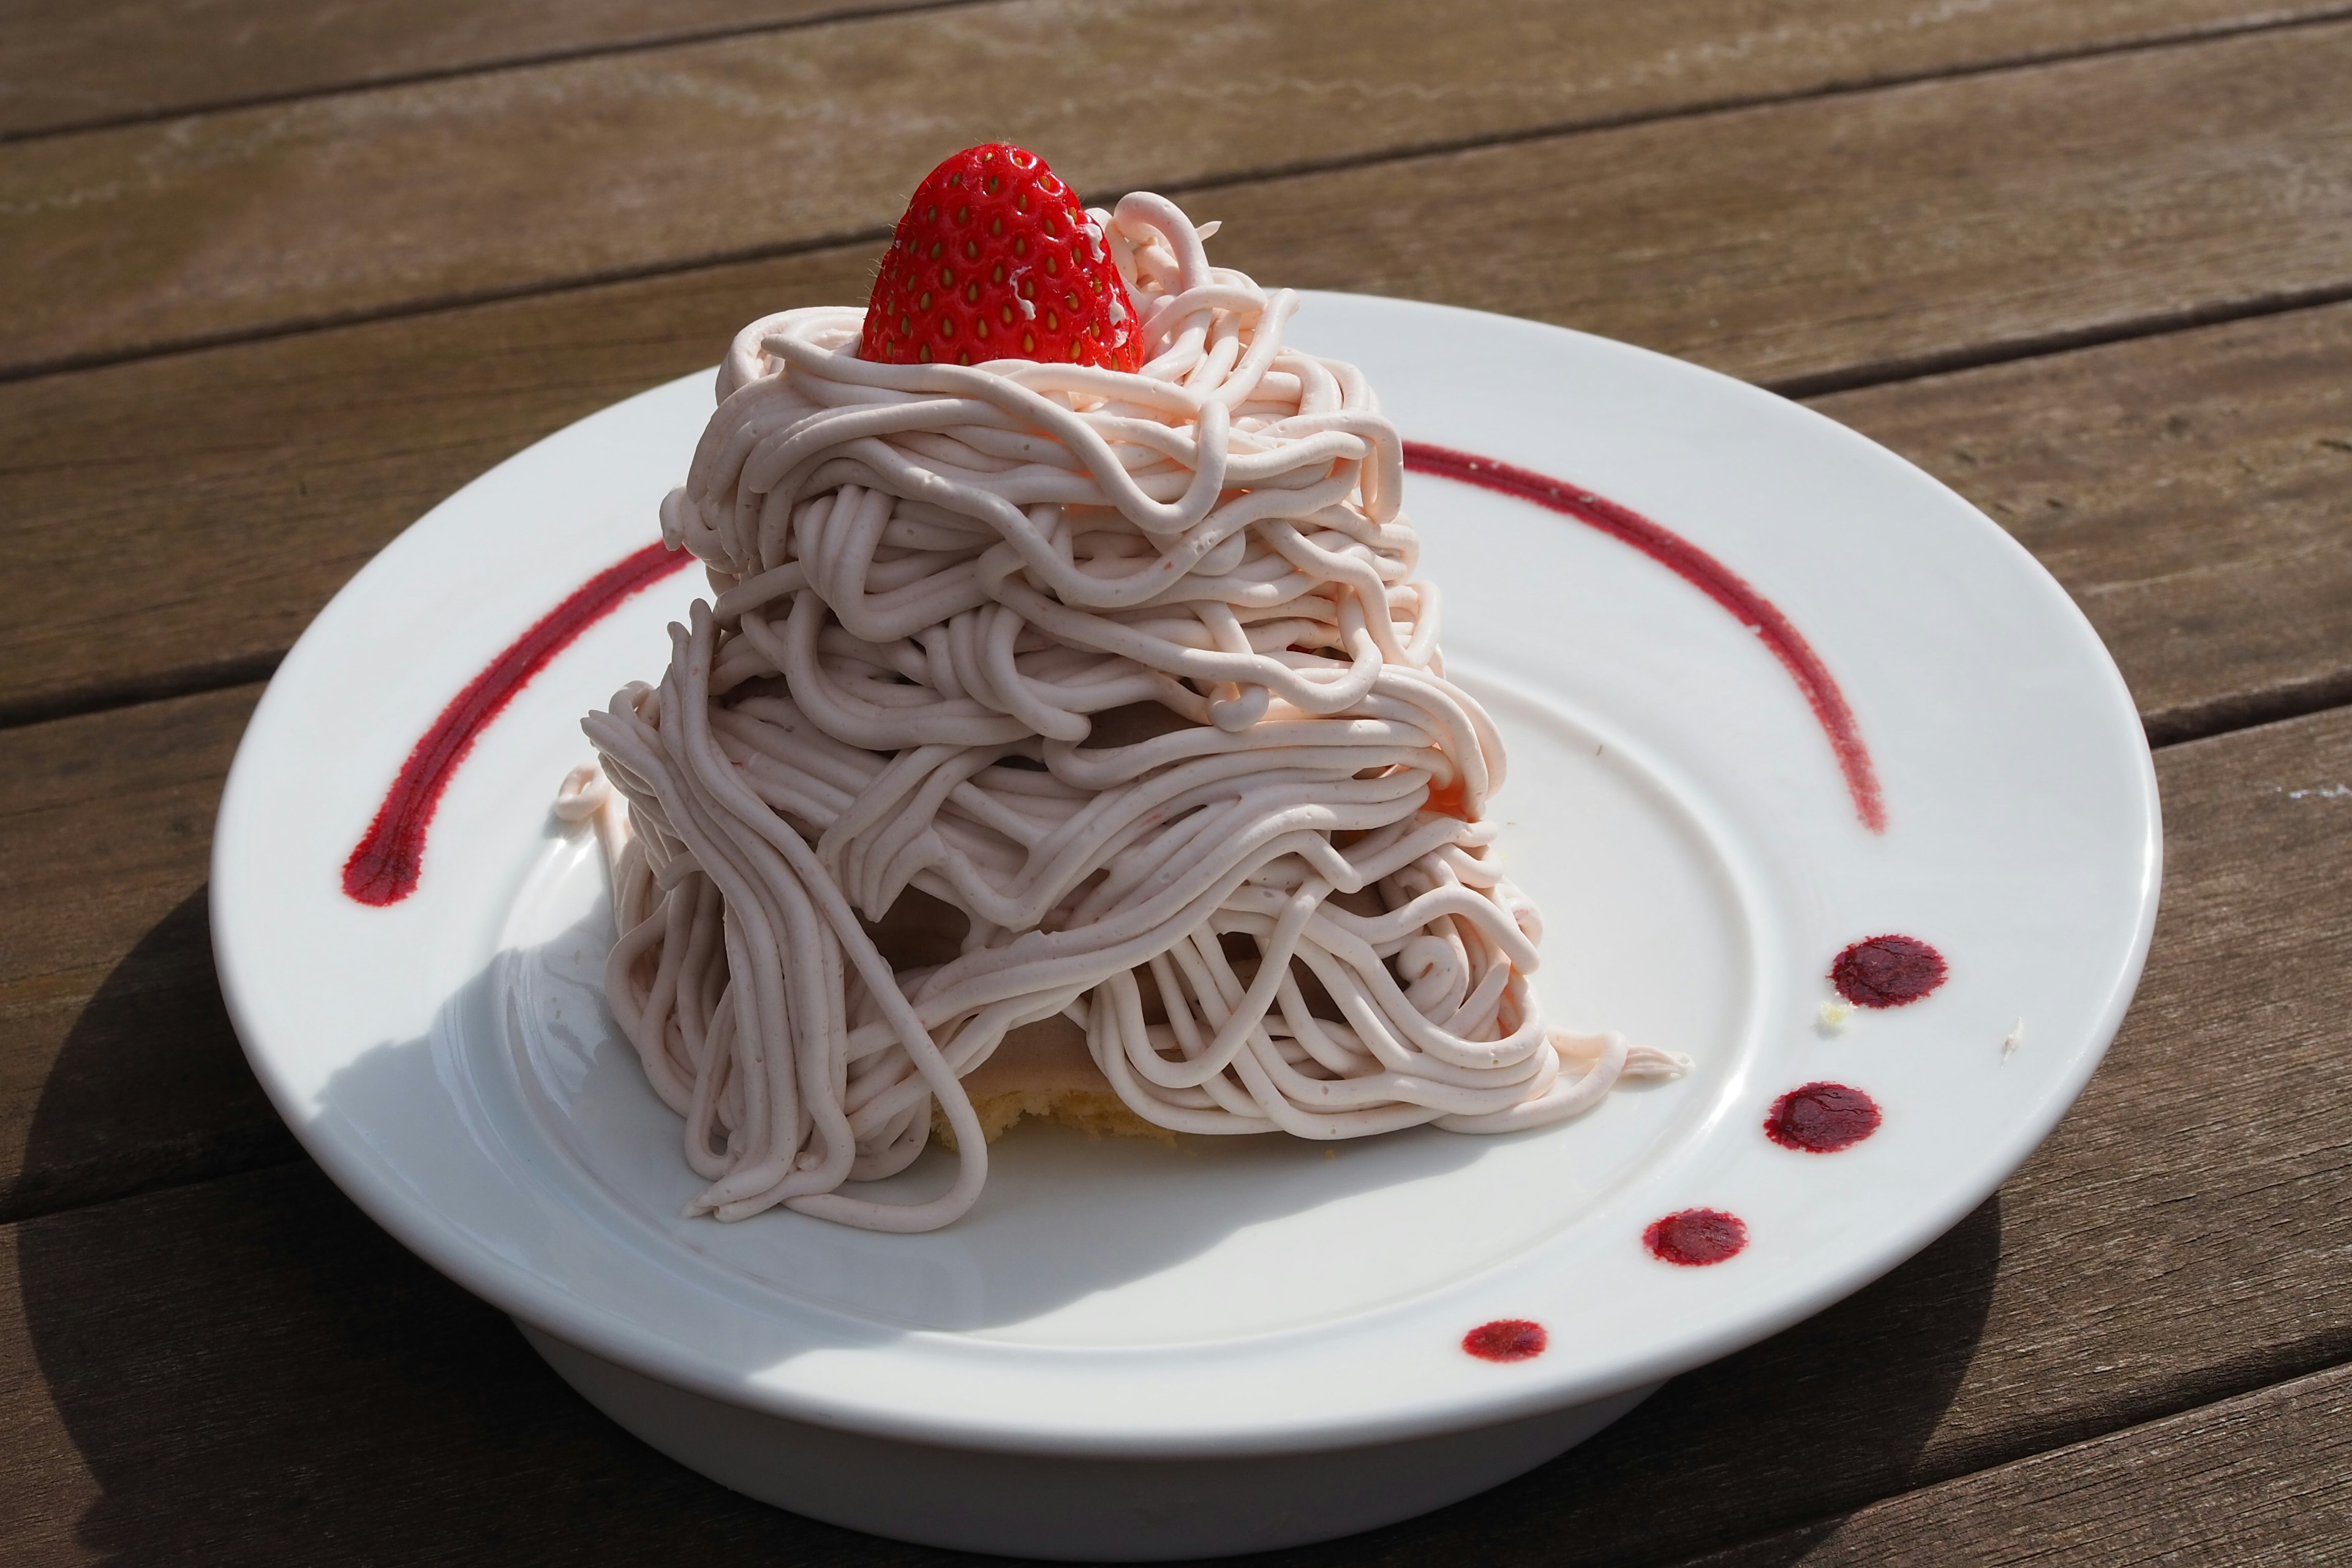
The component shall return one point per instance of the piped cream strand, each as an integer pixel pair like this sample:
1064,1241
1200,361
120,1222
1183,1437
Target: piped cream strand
929,583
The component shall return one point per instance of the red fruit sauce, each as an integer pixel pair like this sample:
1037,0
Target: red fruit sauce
384,867
383,870
1886,970
1821,1118
1702,572
1506,1339
1696,1238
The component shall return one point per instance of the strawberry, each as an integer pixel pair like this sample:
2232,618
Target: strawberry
996,260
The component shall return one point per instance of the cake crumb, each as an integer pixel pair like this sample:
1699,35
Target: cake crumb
1833,1017
2015,1038
1094,1113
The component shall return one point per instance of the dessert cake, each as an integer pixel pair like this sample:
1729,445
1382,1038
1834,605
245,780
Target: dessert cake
1067,733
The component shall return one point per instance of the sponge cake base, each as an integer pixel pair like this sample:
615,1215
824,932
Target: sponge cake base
1042,1069
1045,1070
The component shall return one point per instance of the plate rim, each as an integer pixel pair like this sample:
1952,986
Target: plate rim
604,1332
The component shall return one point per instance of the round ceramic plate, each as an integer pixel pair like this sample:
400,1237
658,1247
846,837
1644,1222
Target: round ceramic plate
1768,691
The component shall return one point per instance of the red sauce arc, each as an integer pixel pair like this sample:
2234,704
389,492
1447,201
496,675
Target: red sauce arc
1888,971
1821,1118
1696,1238
385,866
1703,572
1506,1339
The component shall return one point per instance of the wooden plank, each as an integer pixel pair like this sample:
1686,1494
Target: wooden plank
2265,1477
250,1371
188,1361
2192,491
1798,239
118,1068
68,63
1823,244
261,476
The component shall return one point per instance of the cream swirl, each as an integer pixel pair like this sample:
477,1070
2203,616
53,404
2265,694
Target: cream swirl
1272,909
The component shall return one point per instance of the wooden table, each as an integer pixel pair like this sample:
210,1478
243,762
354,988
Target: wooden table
279,274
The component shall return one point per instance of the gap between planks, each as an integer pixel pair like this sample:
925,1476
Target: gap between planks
2127,1272
522,60
1797,384
2216,1468
77,318
683,37
2110,464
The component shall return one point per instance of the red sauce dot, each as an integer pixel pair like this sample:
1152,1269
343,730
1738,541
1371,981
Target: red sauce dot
1821,1118
1506,1339
1696,1238
1886,970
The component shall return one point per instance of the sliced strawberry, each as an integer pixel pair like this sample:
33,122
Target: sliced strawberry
996,260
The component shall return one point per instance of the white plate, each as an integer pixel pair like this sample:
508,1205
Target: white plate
1672,805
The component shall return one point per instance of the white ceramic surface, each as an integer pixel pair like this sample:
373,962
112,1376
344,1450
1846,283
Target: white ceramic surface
1672,805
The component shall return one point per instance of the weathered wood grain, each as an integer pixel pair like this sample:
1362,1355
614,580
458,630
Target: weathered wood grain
118,1068
1818,245
2265,1477
181,520
248,1371
191,1359
65,63
1919,221
2193,492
